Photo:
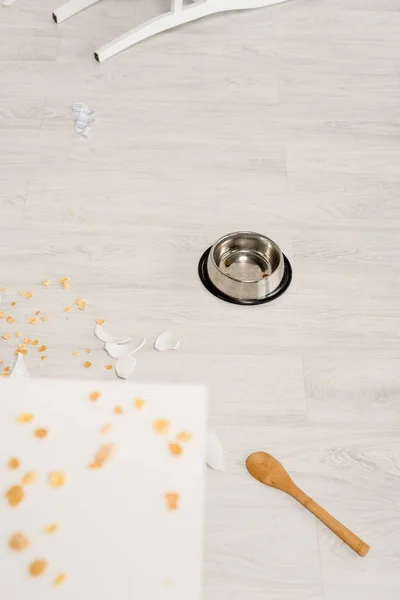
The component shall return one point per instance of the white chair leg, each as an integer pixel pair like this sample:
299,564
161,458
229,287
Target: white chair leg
177,16
71,8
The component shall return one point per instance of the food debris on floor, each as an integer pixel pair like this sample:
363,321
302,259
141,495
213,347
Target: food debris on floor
68,309
57,479
118,410
33,320
81,303
38,567
65,282
139,403
184,436
25,418
106,428
15,494
18,542
161,426
172,499
60,579
93,396
108,367
14,463
87,364
52,528
46,282
104,454
29,477
41,432
6,336
175,448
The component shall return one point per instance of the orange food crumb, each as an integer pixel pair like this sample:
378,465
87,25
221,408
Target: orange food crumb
42,349
56,479
13,303
15,494
19,334
81,303
46,282
28,340
94,396
37,312
37,567
44,357
60,579
45,318
106,428
13,463
25,418
10,319
6,336
22,293
51,528
28,295
108,367
161,425
87,364
172,500
7,369
75,353
88,351
18,542
100,321
2,314
29,478
102,456
33,320
175,449
139,403
65,283
118,410
184,436
68,309
41,432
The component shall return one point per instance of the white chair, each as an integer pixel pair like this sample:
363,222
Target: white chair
178,15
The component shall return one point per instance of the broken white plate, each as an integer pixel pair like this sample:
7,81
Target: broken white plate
83,117
106,337
117,350
125,366
20,371
166,341
7,2
214,452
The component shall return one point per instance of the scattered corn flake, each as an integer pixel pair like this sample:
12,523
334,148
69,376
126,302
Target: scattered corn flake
13,303
65,283
41,432
19,334
75,353
108,367
44,357
29,478
88,351
161,425
81,303
1,362
139,403
18,542
5,374
175,449
7,369
45,318
13,463
56,479
184,436
102,455
87,364
6,336
4,289
15,494
37,312
94,396
60,579
23,351
33,320
28,295
172,500
28,340
2,314
42,349
25,418
106,428
37,567
10,319
22,293
118,410
51,528
46,282
68,309
35,342
100,321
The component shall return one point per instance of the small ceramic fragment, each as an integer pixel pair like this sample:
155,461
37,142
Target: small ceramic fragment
125,366
166,341
117,350
20,371
106,337
214,452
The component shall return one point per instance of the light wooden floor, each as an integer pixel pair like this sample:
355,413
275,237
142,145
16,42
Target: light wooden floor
285,120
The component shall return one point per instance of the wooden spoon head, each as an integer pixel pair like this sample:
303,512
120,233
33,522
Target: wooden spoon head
268,470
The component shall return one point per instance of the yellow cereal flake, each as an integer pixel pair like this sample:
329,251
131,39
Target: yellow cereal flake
175,449
102,456
45,318
38,567
88,351
23,351
60,579
37,312
19,334
139,403
35,342
22,293
100,321
33,320
29,478
18,542
51,528
65,283
28,340
28,295
13,303
15,494
75,353
6,336
44,357
93,396
10,319
41,433
7,369
87,364
1,362
172,499
13,463
42,349
108,367
68,309
56,479
2,314
25,418
4,289
46,282
184,436
118,410
106,428
81,303
161,425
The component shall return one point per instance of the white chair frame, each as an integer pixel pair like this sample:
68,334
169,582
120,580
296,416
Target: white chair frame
177,15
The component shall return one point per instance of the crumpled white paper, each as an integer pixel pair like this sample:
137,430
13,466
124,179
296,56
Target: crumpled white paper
83,117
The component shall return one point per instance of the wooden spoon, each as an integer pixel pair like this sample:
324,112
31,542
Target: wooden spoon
268,470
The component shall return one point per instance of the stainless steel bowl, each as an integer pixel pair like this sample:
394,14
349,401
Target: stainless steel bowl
245,266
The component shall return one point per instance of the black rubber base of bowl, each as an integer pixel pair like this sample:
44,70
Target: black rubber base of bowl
283,286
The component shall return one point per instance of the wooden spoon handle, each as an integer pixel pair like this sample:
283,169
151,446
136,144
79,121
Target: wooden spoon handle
350,538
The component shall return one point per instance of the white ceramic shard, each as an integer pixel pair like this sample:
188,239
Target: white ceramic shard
214,452
20,371
7,2
166,341
117,350
125,366
83,117
106,337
